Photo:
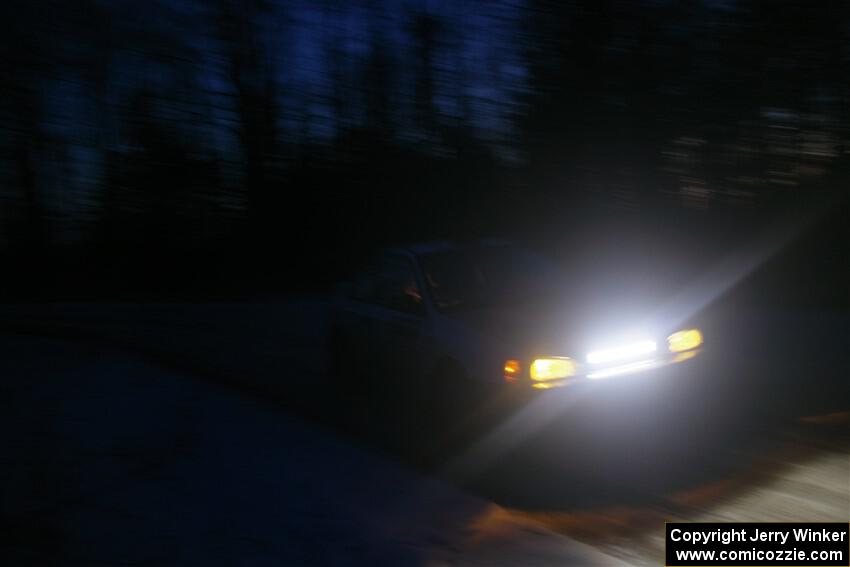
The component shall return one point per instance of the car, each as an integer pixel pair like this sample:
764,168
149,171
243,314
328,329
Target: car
449,320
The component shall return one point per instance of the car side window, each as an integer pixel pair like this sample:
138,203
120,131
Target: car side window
396,286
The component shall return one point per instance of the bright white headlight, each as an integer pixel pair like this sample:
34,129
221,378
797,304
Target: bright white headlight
621,352
628,368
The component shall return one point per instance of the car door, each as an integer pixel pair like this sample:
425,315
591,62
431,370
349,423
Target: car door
401,319
360,320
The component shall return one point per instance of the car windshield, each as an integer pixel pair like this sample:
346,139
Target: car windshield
486,275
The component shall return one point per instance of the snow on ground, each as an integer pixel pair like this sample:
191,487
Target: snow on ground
112,460
810,483
803,477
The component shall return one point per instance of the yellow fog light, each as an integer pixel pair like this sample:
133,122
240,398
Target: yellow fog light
681,341
553,368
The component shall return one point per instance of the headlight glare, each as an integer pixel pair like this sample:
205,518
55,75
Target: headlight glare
621,352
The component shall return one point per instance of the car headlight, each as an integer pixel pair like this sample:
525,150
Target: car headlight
681,341
552,368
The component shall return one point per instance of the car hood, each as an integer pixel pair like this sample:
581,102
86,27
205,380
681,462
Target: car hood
567,328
